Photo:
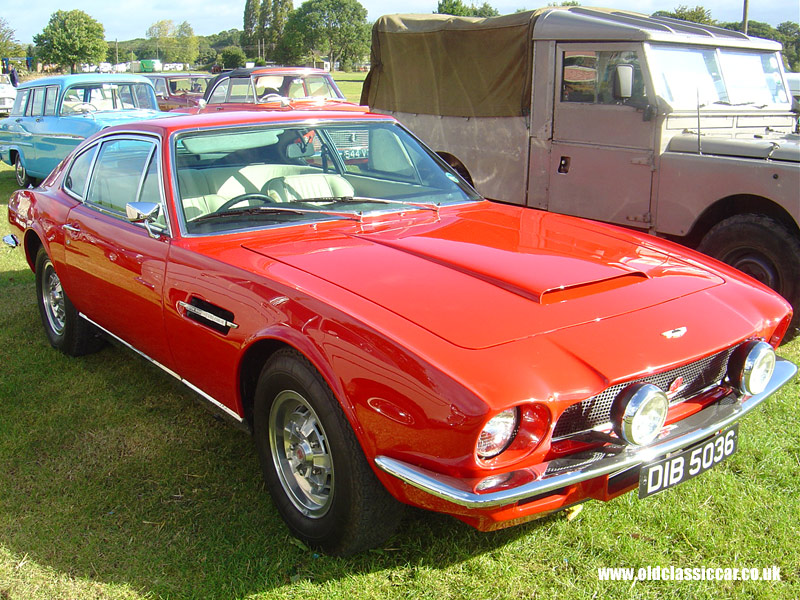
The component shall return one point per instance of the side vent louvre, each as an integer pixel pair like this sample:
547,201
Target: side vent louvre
210,315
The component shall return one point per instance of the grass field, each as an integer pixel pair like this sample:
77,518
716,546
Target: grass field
115,483
350,84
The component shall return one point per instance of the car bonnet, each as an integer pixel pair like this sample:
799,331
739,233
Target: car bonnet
485,278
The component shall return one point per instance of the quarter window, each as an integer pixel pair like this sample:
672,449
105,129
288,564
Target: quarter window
20,103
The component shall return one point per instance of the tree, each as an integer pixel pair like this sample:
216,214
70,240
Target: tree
336,27
186,44
281,9
71,37
8,41
250,31
162,34
459,9
264,25
232,57
698,14
790,33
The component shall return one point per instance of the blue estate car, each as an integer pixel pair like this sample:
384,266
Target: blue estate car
54,114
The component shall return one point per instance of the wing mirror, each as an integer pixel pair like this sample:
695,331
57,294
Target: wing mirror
623,82
143,212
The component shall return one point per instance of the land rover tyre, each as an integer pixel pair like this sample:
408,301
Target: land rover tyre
764,249
313,465
65,329
20,173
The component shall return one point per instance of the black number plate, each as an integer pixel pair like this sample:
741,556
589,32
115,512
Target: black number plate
669,472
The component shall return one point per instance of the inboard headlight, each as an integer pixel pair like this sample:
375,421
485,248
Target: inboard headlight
497,434
639,413
751,367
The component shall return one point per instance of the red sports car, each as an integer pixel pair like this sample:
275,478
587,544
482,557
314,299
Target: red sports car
388,336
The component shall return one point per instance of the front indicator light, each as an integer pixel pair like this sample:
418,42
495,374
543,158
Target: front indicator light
639,413
497,433
751,367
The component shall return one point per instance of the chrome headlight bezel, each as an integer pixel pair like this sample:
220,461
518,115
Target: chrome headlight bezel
639,413
751,367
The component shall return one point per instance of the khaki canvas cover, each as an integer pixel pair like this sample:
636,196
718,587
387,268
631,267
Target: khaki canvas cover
454,66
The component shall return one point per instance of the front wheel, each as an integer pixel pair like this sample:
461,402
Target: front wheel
20,173
314,467
65,329
762,248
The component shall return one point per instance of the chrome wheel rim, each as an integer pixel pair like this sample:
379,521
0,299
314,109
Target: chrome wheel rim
301,454
19,171
53,300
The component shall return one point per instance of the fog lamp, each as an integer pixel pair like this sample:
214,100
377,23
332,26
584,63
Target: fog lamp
497,433
751,367
639,413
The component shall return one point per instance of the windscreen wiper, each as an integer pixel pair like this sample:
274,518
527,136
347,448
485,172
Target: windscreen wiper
265,210
358,199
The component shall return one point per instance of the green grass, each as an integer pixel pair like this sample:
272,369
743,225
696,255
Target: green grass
115,483
350,84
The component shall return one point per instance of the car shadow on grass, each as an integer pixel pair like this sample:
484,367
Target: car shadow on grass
116,475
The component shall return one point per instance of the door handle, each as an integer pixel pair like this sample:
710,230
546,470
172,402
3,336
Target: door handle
72,228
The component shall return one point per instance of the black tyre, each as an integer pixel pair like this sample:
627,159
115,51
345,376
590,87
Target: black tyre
764,249
64,328
314,467
20,173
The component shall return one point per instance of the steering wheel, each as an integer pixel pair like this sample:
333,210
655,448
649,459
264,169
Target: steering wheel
85,106
242,197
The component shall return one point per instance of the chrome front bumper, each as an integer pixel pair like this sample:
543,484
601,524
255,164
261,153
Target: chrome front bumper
574,469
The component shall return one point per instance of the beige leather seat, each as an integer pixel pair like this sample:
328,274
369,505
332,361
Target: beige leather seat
306,187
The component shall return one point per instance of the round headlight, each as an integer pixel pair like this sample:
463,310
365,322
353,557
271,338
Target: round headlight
751,367
639,413
497,433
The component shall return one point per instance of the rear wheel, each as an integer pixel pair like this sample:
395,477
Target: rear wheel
20,173
314,467
64,328
761,247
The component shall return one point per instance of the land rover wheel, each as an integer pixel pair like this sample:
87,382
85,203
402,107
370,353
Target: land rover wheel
314,467
764,249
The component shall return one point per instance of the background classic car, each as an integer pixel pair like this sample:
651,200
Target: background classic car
272,88
53,114
322,301
178,90
7,95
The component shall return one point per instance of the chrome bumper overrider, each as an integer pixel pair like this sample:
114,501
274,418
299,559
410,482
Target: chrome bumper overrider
574,469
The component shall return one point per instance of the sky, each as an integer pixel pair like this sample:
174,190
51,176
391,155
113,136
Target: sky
129,19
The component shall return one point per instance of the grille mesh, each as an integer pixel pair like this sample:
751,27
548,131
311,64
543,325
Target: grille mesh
595,411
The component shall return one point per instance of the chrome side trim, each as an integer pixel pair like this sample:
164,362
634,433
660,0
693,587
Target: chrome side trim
616,458
218,405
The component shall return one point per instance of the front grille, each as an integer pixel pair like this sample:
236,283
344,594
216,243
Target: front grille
596,411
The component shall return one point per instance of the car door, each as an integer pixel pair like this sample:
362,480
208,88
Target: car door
602,157
116,268
51,139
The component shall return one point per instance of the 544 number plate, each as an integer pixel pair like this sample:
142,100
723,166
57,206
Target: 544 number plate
669,472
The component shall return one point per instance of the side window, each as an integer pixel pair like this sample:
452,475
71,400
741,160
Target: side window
20,103
241,90
75,181
36,105
125,95
118,173
588,76
51,99
151,192
220,93
161,87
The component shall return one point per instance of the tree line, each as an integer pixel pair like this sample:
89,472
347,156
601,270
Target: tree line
274,31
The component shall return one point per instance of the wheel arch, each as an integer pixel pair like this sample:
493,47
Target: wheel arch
739,205
261,350
32,242
458,165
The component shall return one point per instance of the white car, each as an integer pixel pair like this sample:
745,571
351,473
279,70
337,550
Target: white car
8,93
